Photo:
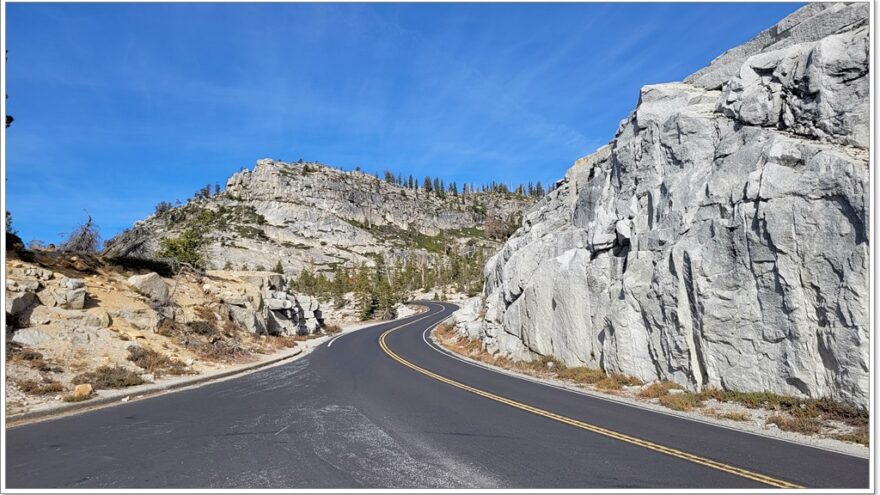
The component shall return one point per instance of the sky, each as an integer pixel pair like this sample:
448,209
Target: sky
120,106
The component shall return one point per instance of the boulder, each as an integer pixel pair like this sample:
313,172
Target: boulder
30,336
19,302
235,298
29,285
247,318
82,391
63,297
150,285
72,283
278,304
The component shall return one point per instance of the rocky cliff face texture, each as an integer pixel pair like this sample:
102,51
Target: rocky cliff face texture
308,215
721,238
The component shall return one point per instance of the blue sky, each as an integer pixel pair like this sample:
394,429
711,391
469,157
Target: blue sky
118,107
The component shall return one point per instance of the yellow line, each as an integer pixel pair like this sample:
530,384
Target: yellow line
590,427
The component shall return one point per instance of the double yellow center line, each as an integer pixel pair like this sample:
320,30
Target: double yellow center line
761,478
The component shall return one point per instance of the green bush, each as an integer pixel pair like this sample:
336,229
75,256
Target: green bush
186,248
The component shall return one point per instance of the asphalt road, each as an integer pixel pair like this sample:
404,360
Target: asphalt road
355,415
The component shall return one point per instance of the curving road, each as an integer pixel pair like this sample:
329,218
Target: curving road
383,407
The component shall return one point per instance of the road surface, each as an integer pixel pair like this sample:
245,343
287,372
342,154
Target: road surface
374,409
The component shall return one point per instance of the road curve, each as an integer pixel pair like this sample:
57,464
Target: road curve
357,413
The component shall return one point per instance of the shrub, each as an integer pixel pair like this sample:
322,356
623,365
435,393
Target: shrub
332,328
800,424
278,268
74,398
40,388
581,374
658,389
155,362
162,207
201,328
682,402
185,249
217,347
15,351
734,415
617,381
109,377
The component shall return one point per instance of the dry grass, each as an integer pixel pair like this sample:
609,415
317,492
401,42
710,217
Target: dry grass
658,389
617,381
16,352
74,398
799,424
205,339
729,415
794,414
581,374
859,436
544,366
332,329
44,387
156,363
682,402
280,342
109,377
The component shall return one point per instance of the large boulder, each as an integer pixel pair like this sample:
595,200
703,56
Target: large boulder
150,285
247,318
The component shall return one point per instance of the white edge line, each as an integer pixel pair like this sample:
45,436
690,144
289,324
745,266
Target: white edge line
586,393
343,334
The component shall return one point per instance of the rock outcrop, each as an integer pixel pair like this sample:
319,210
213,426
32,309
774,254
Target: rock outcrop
313,216
721,238
266,306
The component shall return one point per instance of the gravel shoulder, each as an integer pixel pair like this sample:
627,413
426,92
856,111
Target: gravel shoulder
756,424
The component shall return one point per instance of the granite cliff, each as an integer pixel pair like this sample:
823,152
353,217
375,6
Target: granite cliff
721,238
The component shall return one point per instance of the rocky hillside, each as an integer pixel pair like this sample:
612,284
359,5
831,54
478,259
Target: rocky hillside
76,320
721,238
309,216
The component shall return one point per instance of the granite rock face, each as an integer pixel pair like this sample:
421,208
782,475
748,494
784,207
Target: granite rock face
313,216
266,306
721,238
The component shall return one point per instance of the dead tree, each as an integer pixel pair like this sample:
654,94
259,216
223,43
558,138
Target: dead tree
83,240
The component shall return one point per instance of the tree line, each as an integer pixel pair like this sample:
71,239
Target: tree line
378,289
439,187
